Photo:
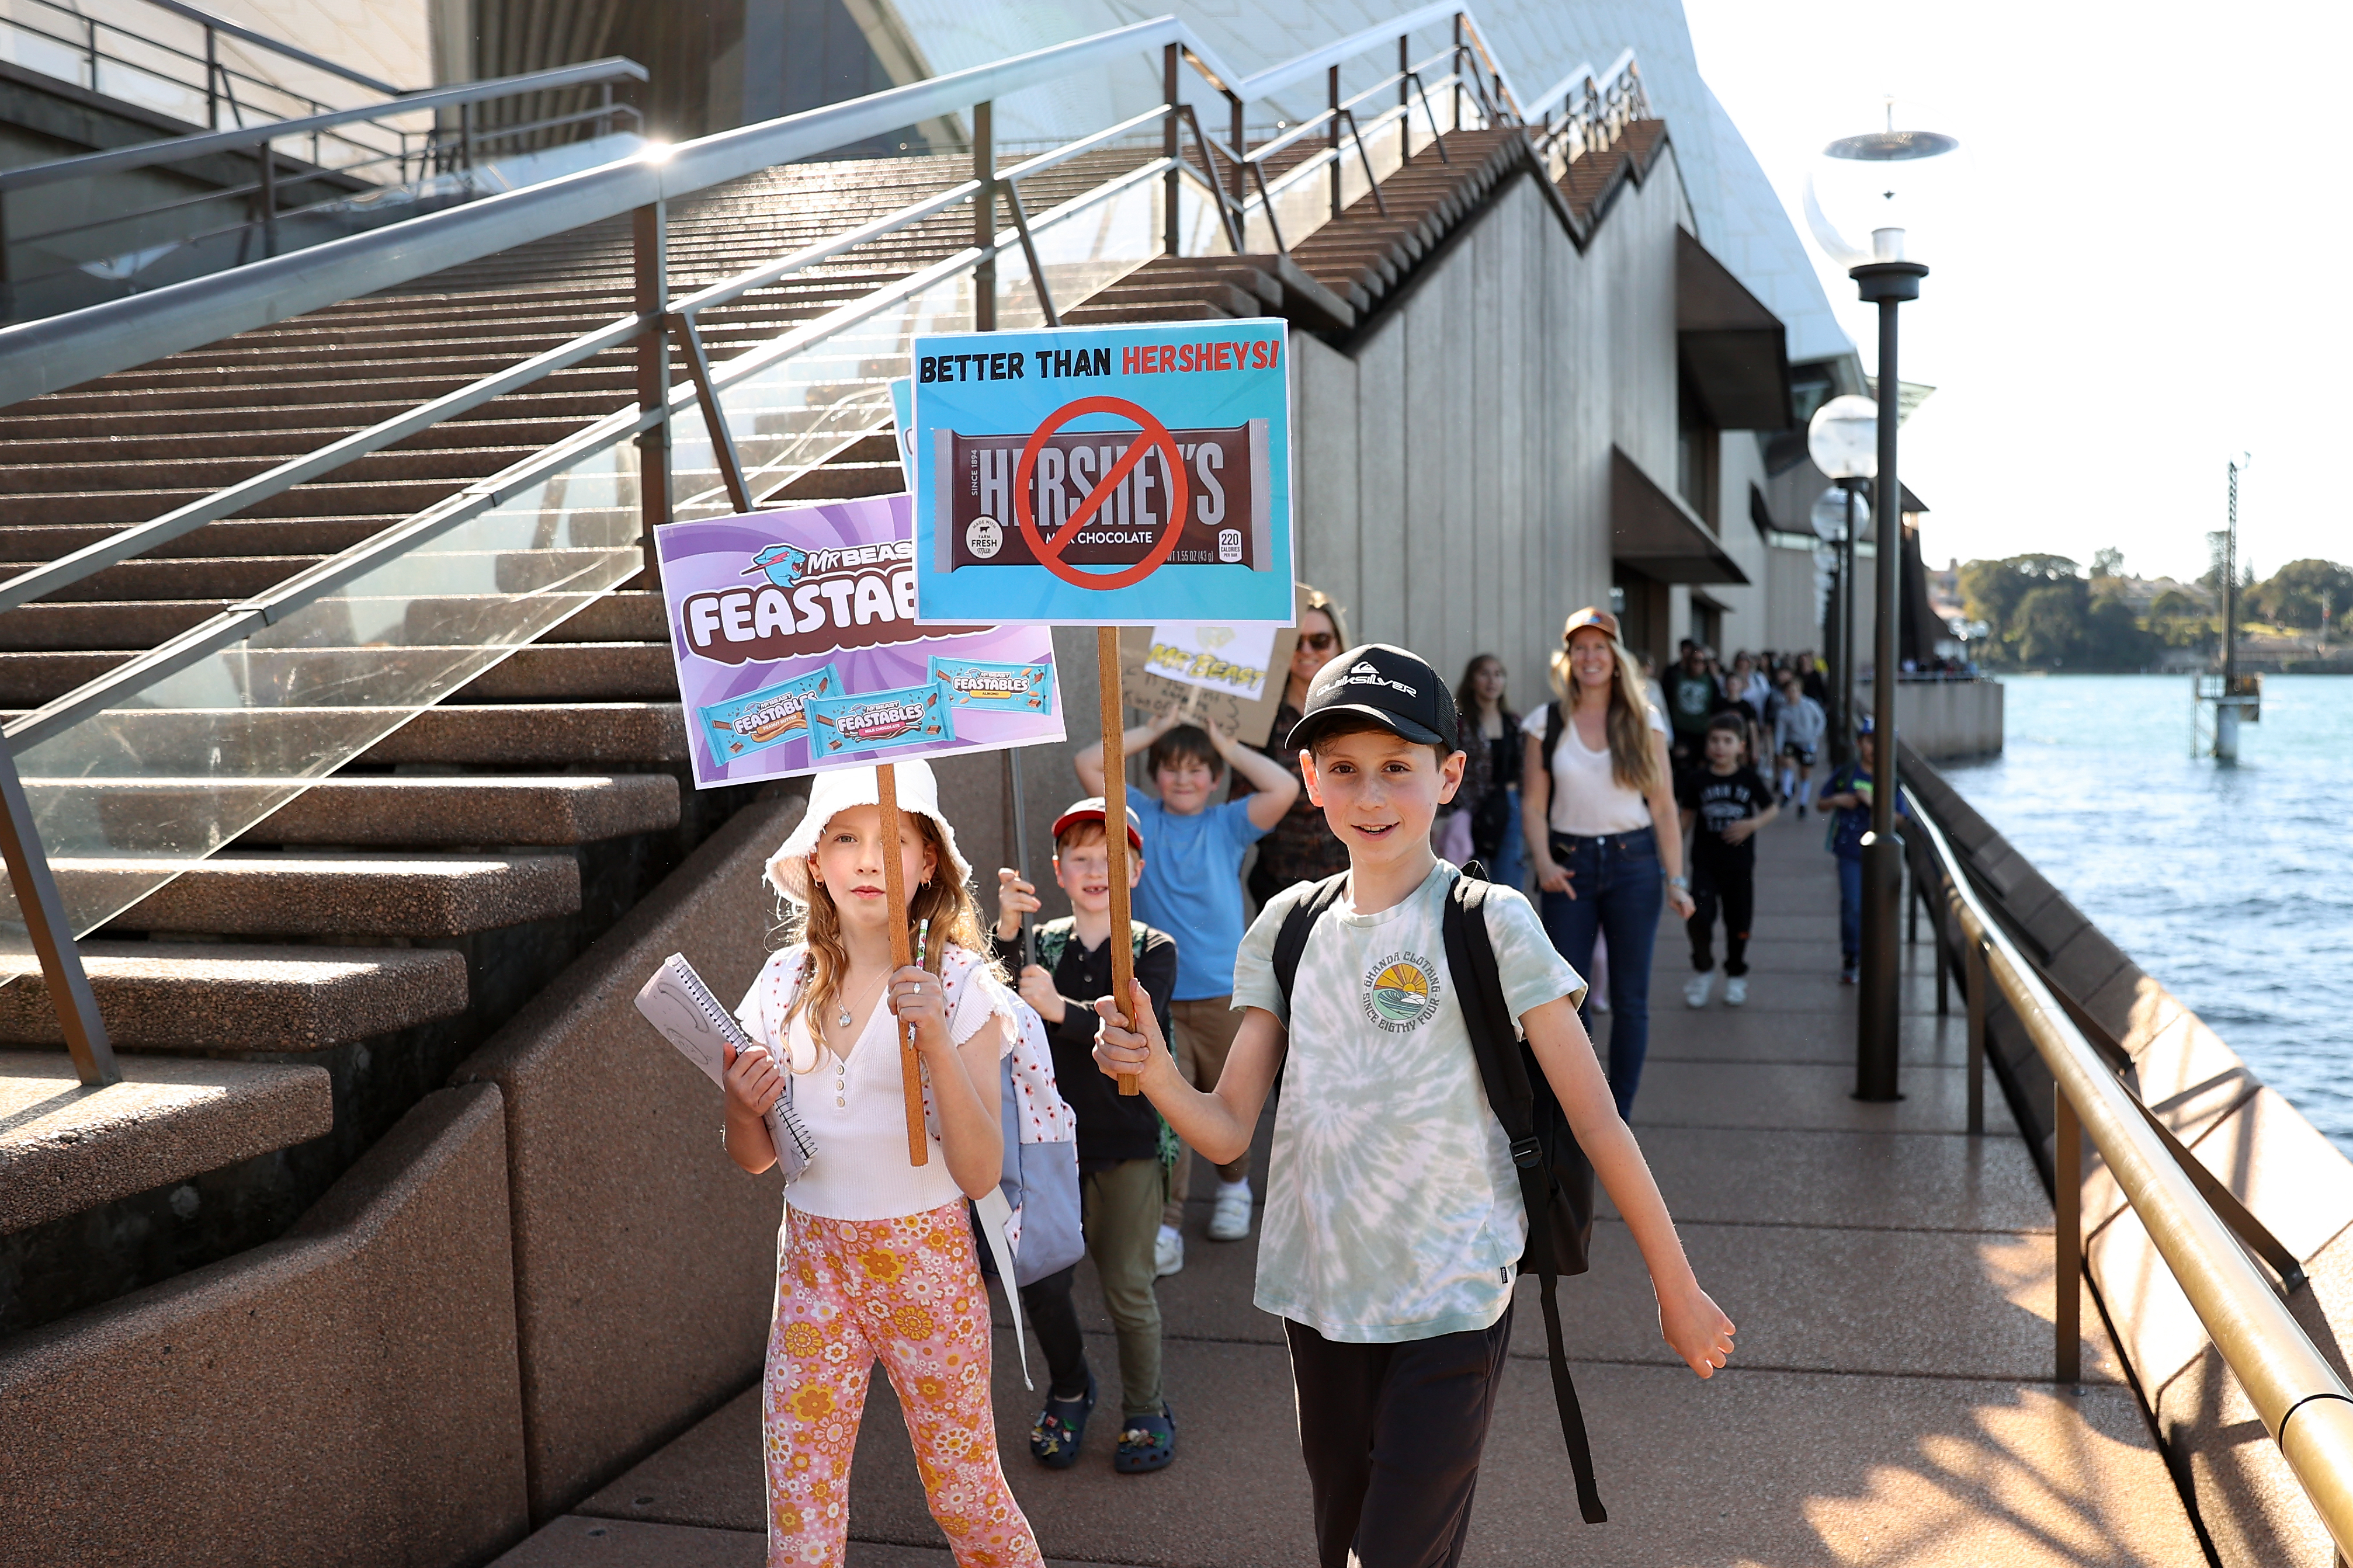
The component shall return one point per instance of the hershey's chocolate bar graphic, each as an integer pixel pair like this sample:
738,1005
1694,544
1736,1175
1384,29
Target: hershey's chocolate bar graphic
1227,498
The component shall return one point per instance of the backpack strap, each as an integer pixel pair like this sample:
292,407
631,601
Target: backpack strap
1291,941
1503,1067
1555,721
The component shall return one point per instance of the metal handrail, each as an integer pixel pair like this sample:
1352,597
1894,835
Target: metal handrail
2305,1406
176,149
276,46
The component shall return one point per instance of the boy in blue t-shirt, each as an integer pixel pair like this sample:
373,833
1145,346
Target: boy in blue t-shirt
1192,889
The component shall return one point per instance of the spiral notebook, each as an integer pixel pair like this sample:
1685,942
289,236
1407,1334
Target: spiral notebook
678,1004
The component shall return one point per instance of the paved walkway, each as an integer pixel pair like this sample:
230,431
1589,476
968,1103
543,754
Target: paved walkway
1890,1404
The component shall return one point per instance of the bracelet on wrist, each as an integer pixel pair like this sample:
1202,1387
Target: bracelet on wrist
1683,882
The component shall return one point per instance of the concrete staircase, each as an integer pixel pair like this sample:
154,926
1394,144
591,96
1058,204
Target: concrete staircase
282,1003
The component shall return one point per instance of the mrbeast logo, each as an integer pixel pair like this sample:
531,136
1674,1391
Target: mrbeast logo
809,602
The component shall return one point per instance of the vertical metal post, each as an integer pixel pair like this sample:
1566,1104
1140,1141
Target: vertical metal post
649,234
52,937
1456,72
1937,934
984,217
1332,132
465,136
7,279
212,79
1404,96
1843,696
605,116
714,417
1171,234
1879,1000
2067,1191
1975,979
269,199
1241,151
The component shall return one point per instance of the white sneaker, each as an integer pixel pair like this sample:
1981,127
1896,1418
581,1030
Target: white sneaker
1230,1220
1168,1253
1695,991
1736,990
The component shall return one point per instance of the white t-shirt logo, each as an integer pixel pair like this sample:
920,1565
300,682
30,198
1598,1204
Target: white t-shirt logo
1400,993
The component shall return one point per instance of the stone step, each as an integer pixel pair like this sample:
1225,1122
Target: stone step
184,577
310,893
583,671
65,1149
95,412
245,996
537,735
508,810
137,440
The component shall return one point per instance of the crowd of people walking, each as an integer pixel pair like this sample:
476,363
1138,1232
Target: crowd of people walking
1294,901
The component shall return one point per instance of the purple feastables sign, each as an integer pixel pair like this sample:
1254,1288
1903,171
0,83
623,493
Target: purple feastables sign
797,647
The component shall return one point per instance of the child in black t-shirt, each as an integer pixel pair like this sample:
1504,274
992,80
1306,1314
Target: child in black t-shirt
1724,803
1124,1158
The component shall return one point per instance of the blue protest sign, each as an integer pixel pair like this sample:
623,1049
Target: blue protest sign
1103,475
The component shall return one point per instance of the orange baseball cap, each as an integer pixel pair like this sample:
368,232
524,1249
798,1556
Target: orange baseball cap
1592,616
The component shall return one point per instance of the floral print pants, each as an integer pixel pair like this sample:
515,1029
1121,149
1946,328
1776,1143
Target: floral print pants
907,1291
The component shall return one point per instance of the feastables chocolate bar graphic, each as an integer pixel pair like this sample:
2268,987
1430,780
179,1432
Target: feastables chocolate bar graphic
880,720
1007,688
769,715
1228,492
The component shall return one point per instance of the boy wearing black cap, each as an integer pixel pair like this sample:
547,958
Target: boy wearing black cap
1394,1219
1122,1165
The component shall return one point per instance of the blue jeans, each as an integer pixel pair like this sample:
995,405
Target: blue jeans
1850,873
1619,889
1511,864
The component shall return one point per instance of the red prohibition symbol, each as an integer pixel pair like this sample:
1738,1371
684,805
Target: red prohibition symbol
1152,433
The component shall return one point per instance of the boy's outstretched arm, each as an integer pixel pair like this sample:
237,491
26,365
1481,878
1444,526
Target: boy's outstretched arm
1277,789
1089,760
1218,1124
1688,1320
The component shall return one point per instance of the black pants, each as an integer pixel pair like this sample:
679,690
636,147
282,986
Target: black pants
1392,1436
1732,881
1055,1320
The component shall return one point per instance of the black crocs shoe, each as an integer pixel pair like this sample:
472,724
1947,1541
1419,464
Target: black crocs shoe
1146,1443
1062,1427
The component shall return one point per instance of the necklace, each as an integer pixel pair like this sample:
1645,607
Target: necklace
846,1019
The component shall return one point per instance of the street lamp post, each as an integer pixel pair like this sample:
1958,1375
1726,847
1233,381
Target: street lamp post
1886,277
1843,440
1888,284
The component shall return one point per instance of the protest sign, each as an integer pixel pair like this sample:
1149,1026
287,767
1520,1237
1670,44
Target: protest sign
1111,475
798,649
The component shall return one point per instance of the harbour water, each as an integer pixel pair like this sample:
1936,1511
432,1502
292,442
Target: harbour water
2228,883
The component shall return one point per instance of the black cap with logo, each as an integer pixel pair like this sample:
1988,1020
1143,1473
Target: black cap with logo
1385,686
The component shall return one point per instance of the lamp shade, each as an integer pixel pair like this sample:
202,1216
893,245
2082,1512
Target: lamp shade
1842,438
1828,516
1868,196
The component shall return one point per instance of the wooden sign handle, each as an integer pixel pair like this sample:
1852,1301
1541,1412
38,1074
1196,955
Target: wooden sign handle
894,894
1114,761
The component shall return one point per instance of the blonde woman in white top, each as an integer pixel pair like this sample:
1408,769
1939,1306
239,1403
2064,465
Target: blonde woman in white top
1591,809
876,1260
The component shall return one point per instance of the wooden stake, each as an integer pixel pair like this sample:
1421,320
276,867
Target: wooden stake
894,893
1115,759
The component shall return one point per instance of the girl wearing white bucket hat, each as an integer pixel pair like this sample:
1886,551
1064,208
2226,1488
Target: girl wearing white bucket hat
877,1258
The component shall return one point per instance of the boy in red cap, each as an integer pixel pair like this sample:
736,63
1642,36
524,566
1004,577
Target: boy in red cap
1123,1153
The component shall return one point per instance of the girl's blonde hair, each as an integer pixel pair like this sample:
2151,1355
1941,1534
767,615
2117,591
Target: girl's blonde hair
1634,759
944,901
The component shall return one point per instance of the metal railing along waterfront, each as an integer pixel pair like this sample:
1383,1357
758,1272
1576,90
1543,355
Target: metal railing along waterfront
2208,1239
253,705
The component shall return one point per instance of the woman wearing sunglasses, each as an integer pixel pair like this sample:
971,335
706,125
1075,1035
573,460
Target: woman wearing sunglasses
1301,849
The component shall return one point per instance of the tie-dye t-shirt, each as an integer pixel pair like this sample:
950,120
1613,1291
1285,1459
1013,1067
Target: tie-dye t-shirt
1393,1210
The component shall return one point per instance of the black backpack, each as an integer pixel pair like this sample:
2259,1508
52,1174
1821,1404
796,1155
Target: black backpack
1556,1180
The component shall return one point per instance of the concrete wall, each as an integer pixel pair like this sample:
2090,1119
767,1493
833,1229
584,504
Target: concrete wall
1452,460
349,1394
1946,720
2290,1177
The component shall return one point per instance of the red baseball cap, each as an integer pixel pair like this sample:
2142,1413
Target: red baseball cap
1091,810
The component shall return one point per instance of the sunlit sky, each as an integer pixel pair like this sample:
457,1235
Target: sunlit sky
2139,269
